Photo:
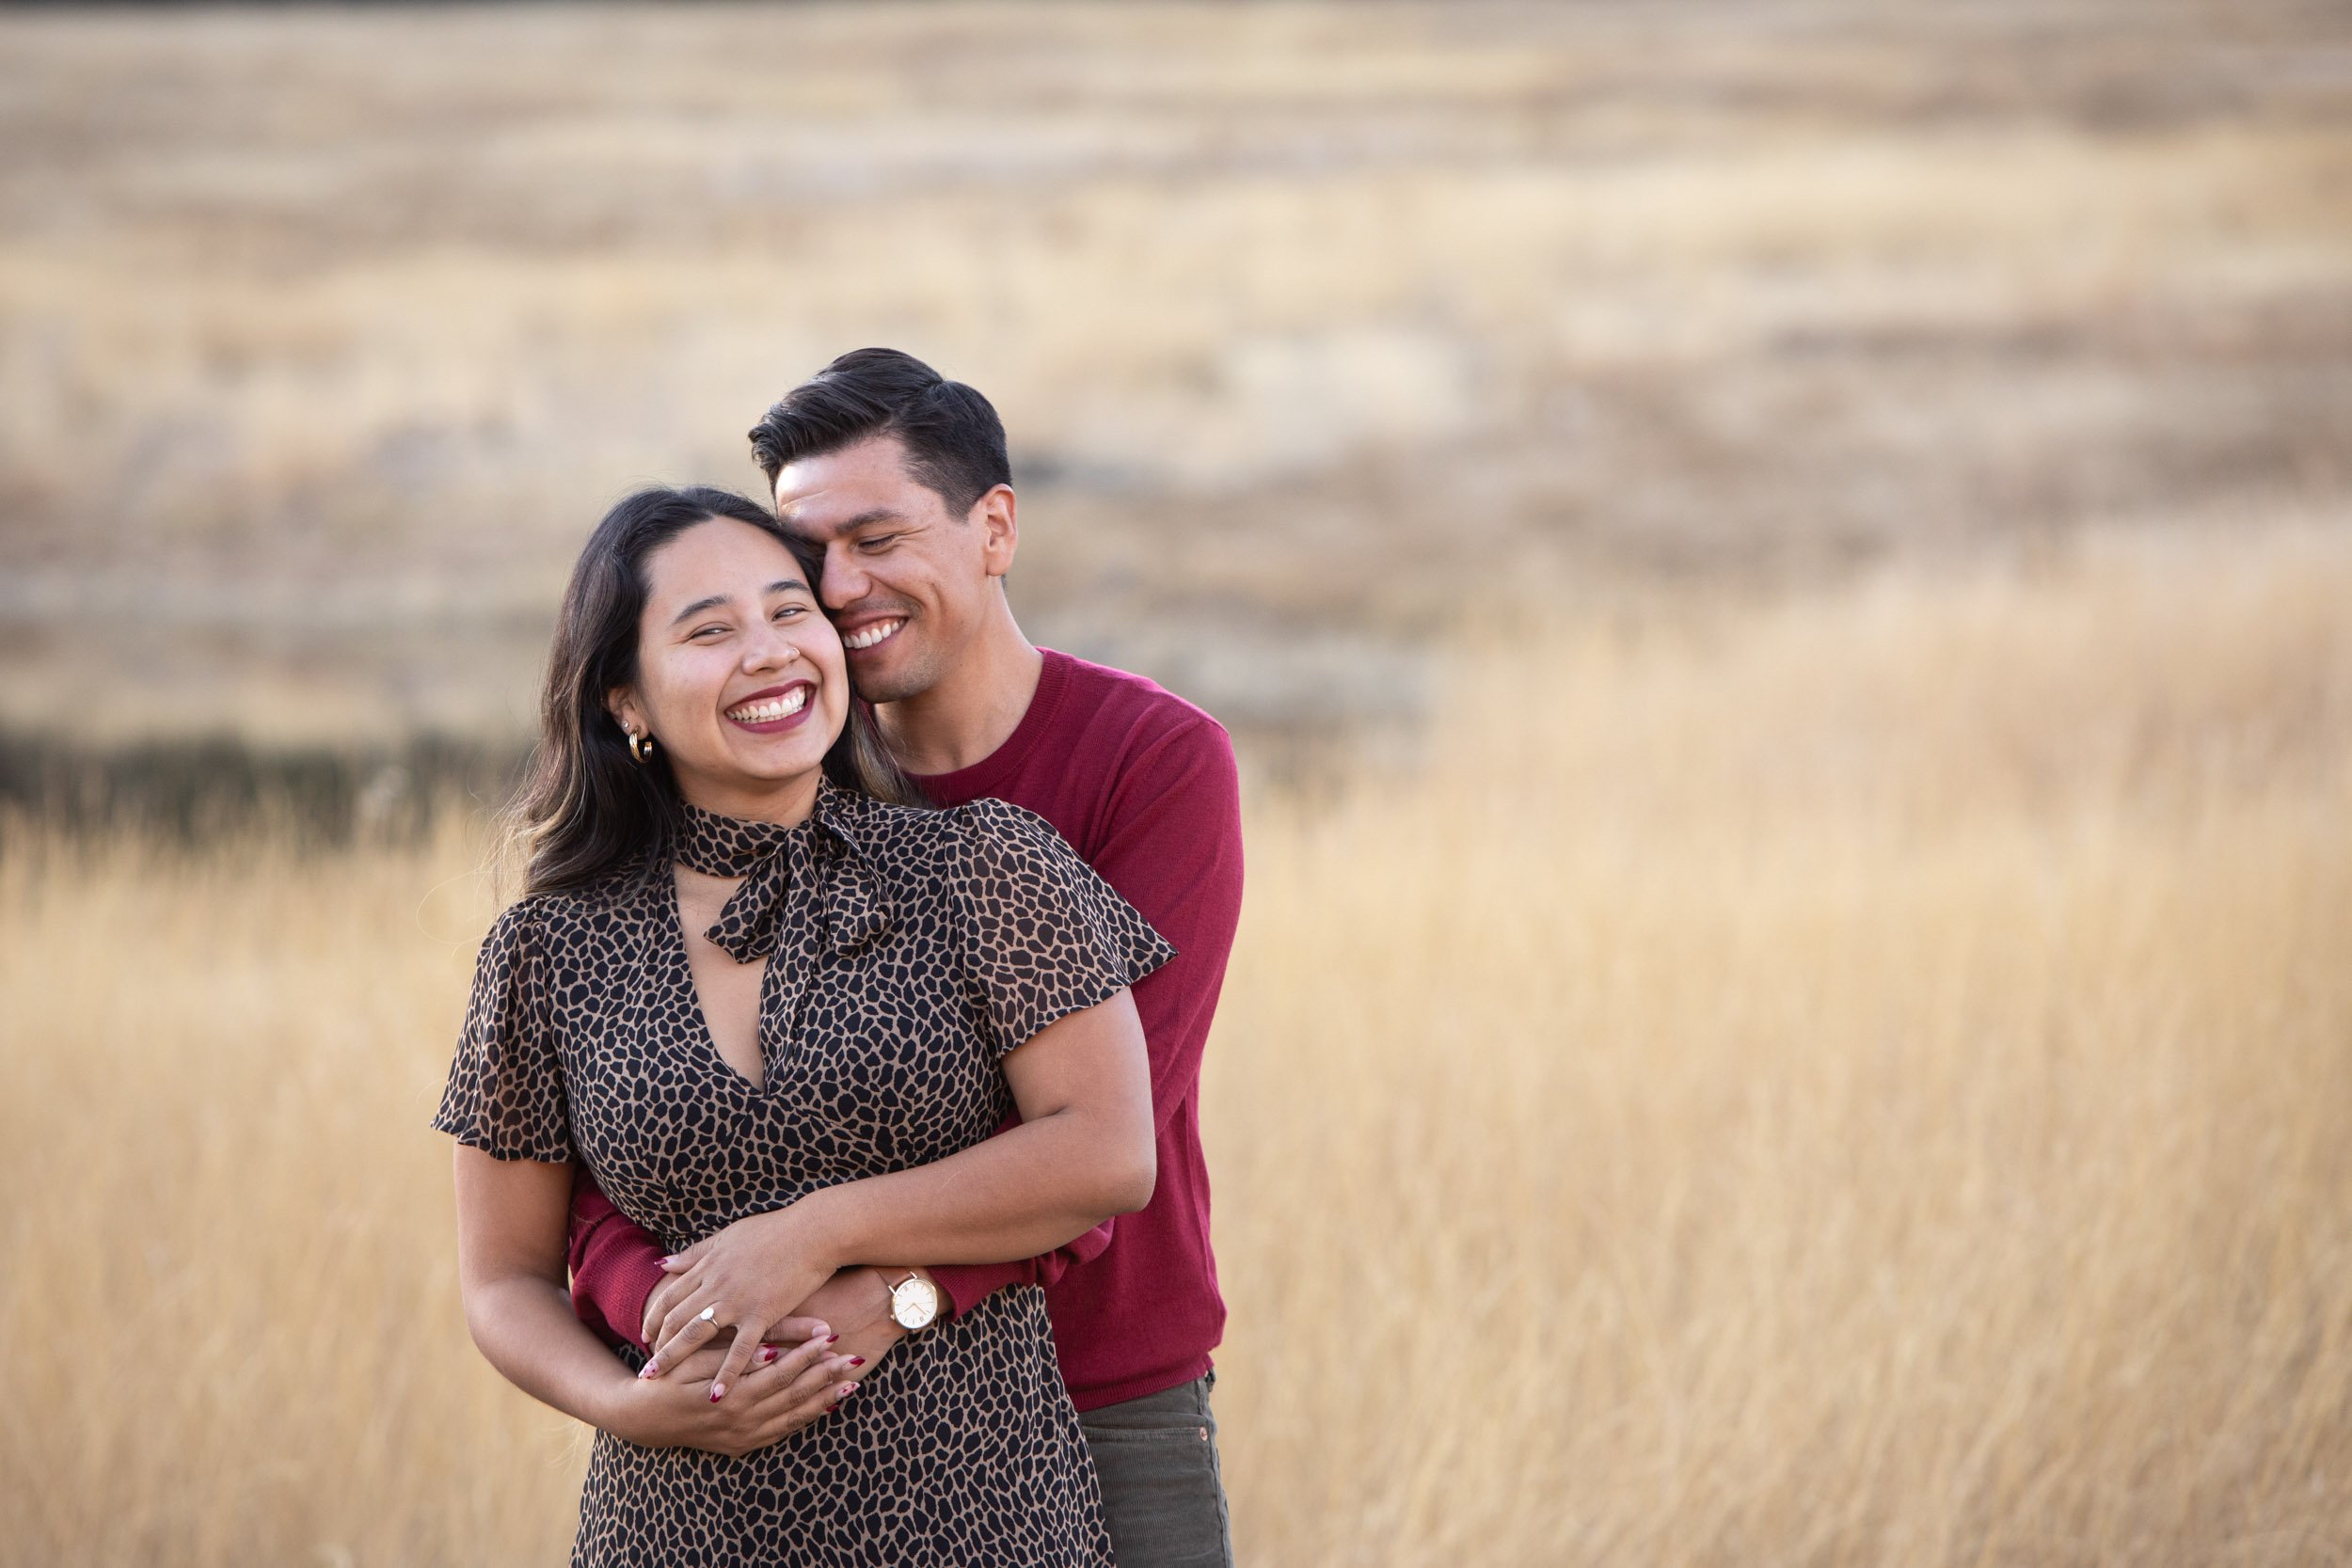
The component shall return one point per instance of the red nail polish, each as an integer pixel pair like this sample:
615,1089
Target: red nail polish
766,1356
847,1389
651,1368
832,1339
857,1361
715,1391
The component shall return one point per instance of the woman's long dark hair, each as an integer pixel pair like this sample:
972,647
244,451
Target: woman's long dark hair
587,808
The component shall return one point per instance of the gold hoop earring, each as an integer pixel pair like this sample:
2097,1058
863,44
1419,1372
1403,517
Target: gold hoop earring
641,747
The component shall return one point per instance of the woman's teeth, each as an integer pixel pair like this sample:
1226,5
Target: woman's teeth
771,708
867,637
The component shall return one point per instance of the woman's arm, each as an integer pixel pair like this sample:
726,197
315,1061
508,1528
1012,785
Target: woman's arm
1084,1151
510,1270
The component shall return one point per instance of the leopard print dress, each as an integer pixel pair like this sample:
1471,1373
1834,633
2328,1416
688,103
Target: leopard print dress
909,950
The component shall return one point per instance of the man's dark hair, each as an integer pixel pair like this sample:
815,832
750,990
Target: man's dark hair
955,443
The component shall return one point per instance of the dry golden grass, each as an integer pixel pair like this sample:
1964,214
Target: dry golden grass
1863,1085
1859,1080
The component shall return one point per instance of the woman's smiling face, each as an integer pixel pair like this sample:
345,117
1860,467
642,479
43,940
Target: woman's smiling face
740,678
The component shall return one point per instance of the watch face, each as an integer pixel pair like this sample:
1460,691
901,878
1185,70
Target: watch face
914,1303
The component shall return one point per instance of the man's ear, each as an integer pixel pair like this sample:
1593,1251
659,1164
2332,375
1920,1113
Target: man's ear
998,518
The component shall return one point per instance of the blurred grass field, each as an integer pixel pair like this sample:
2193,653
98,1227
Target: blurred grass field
1854,1077
1779,568
327,332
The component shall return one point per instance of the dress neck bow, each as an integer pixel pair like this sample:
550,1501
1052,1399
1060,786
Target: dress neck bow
798,880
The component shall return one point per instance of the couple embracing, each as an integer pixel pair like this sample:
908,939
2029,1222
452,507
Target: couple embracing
843,1052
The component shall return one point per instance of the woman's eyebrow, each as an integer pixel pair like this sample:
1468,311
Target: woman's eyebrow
782,585
712,602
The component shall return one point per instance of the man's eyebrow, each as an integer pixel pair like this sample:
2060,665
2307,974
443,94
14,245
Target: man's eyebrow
876,514
782,585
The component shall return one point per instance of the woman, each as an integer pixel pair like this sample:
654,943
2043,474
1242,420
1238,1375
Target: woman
743,979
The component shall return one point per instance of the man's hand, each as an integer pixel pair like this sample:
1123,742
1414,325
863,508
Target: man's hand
855,1303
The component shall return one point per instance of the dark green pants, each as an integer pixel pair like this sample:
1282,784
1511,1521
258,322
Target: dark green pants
1161,1492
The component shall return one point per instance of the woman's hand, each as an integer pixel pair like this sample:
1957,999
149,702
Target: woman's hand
748,1277
782,1392
856,1302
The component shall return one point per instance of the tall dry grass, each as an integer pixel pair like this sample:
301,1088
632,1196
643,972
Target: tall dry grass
1858,1080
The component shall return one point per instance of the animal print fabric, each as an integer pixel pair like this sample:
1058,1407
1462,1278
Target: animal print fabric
909,950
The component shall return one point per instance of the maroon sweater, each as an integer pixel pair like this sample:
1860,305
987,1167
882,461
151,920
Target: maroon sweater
1141,783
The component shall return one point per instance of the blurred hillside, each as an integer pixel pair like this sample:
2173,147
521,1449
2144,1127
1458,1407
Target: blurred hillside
326,334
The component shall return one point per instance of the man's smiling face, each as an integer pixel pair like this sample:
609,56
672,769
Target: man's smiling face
909,582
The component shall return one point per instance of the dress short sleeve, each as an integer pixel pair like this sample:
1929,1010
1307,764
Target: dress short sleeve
505,1092
1043,936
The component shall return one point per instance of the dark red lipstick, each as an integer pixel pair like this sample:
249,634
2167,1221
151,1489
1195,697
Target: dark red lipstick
767,696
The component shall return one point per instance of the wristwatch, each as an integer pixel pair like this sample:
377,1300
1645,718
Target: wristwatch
913,1301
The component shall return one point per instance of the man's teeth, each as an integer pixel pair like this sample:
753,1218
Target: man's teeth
872,634
771,708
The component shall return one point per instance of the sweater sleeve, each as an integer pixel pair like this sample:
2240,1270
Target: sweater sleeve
1173,852
615,1266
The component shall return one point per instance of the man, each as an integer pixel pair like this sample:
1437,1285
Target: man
901,477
